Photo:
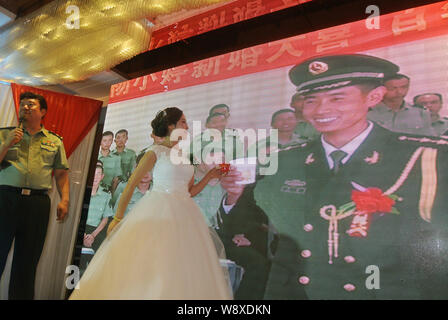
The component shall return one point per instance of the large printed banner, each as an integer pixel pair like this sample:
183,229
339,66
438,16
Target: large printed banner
234,12
395,28
356,208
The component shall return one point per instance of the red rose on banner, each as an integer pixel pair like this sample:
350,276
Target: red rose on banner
372,200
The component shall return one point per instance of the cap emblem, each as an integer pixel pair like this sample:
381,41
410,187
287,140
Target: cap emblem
317,67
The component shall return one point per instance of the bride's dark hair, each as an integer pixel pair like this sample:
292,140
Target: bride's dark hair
164,119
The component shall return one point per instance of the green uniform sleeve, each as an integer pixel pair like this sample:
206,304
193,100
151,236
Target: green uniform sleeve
133,162
108,211
60,160
118,171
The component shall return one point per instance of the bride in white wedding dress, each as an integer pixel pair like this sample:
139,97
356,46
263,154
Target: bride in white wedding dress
163,248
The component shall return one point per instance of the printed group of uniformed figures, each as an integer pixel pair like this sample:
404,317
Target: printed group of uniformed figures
361,182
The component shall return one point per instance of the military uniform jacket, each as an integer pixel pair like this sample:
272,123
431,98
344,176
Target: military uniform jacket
111,167
408,248
408,119
30,163
440,126
128,158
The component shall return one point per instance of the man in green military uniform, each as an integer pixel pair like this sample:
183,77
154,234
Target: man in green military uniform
230,139
395,114
141,189
228,133
127,156
361,198
433,103
284,121
30,154
99,212
111,162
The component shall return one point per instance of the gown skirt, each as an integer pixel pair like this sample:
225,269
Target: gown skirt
162,249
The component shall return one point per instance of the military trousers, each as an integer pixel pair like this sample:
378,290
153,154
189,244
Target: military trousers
24,219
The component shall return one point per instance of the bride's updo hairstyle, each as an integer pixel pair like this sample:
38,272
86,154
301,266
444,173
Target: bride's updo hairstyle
164,119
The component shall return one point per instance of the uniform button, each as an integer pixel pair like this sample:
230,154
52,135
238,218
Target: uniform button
308,228
349,287
304,280
306,253
349,259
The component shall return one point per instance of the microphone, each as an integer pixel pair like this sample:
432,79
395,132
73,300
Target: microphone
21,119
20,126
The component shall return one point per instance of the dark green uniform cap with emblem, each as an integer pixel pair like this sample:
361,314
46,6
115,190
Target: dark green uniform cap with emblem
331,72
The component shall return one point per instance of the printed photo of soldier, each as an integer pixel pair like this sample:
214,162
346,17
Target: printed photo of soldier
398,115
142,188
111,162
285,122
218,118
360,198
128,156
433,102
97,218
304,129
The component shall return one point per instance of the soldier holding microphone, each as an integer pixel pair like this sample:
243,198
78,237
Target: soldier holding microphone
29,155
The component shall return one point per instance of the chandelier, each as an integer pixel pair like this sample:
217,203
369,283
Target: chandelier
67,41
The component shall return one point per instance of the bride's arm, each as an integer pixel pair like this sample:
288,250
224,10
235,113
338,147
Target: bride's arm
194,189
146,164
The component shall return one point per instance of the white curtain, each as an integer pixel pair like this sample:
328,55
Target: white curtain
61,237
7,118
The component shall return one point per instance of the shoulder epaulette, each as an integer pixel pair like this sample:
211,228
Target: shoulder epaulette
432,141
8,128
55,135
296,146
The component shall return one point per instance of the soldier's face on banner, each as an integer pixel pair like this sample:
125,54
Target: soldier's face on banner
397,89
98,176
106,142
121,139
297,103
222,110
431,102
339,110
218,122
285,122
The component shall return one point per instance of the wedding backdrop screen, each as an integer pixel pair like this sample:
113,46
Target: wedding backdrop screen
251,89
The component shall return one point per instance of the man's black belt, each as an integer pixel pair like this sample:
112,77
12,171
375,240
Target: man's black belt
24,191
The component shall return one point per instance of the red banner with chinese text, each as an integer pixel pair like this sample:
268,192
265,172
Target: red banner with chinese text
234,12
399,27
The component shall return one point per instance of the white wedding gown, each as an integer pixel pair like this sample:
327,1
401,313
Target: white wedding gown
162,249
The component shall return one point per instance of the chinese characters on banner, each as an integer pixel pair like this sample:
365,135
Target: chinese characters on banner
404,26
234,12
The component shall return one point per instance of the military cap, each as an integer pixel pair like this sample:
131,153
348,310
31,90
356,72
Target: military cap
330,72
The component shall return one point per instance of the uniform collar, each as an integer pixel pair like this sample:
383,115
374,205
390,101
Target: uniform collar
439,120
42,131
348,148
115,151
404,106
110,154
